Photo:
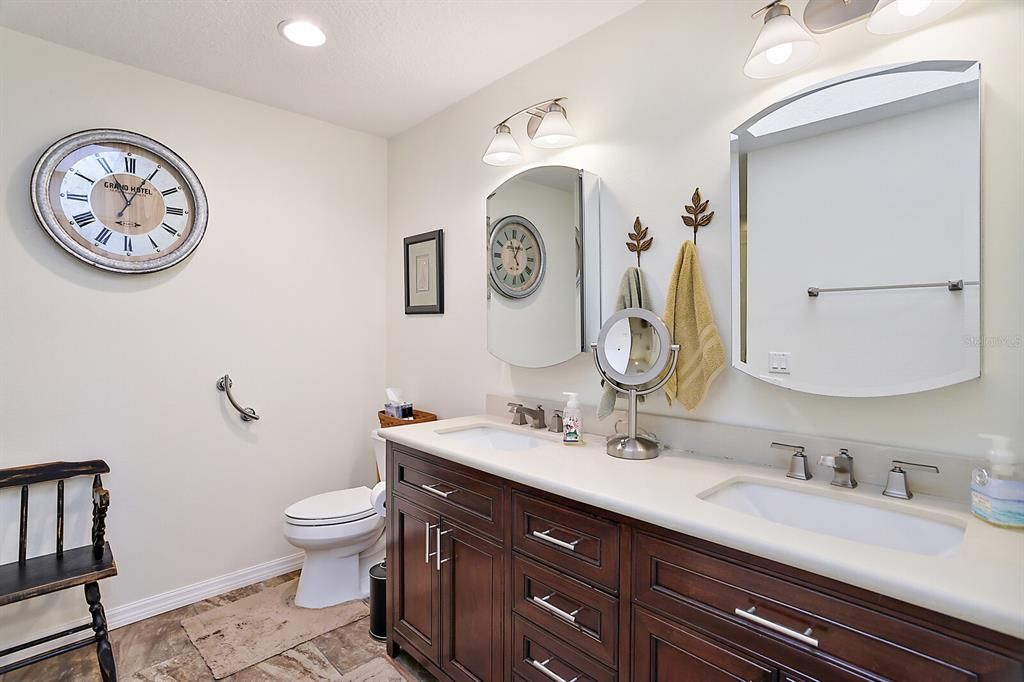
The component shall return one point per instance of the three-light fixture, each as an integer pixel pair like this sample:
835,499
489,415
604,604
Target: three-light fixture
783,45
547,128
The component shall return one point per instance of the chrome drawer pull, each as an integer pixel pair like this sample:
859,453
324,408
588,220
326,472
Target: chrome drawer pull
804,636
546,537
432,488
543,667
437,554
543,603
426,542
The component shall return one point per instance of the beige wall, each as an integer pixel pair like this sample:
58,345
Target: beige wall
653,96
285,293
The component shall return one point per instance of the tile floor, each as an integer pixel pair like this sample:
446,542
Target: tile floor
158,650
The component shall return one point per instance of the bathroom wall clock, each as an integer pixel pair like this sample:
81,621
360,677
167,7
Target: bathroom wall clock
119,200
516,257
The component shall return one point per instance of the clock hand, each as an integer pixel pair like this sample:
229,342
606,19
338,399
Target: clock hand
134,194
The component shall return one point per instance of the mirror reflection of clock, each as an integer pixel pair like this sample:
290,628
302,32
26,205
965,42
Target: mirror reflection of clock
516,257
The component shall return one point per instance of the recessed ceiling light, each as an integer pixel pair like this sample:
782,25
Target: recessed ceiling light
302,33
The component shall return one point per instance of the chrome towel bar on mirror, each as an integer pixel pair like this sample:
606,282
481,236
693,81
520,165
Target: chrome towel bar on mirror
246,413
951,284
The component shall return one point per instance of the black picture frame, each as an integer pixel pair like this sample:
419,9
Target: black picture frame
436,236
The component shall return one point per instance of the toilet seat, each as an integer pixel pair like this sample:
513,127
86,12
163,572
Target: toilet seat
330,509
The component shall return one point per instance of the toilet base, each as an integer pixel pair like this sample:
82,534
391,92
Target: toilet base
334,576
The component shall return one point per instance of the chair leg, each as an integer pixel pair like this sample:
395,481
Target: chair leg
104,652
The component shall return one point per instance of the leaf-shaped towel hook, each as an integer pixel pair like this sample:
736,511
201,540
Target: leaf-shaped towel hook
640,242
697,219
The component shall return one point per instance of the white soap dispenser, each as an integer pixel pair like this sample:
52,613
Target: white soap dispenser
997,491
572,420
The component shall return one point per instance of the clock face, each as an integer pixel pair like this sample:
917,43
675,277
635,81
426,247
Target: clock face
119,201
516,257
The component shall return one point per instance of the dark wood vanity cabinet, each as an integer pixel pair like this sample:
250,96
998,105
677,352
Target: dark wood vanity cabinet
532,587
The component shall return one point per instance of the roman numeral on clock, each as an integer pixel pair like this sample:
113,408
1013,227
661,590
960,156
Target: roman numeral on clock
155,245
129,164
169,192
103,237
152,175
175,211
77,197
103,163
170,229
127,244
85,177
84,219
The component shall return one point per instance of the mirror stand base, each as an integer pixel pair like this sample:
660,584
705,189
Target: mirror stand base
639,447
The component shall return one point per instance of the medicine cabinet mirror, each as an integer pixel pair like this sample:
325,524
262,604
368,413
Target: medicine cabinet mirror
856,233
543,266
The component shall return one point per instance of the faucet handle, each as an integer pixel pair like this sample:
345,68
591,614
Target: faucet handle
797,463
896,483
515,407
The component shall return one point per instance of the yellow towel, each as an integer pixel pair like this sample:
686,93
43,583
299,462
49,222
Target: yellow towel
692,325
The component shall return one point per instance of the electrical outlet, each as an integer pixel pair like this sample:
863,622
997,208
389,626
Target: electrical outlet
778,362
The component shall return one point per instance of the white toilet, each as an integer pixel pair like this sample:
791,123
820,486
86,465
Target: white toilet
342,536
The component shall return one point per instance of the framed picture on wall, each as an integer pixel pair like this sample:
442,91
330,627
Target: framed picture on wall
424,273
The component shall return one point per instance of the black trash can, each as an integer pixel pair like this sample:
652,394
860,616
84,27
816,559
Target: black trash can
378,601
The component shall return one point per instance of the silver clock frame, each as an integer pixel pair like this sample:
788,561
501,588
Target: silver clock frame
40,190
497,284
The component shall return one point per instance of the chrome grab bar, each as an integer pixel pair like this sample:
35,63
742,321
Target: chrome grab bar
546,537
543,603
804,636
432,488
246,413
543,667
951,284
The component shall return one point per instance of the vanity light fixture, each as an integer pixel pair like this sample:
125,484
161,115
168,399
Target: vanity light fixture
548,128
304,33
783,45
897,16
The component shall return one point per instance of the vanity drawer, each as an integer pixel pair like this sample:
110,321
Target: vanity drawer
583,545
583,616
539,657
470,498
673,578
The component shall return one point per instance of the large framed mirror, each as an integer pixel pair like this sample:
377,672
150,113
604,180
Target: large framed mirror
543,266
856,233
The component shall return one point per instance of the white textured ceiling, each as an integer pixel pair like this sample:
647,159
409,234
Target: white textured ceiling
387,64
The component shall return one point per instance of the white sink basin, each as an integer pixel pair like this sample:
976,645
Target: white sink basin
491,438
840,518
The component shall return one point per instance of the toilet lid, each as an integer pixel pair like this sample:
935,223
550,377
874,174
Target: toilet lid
337,506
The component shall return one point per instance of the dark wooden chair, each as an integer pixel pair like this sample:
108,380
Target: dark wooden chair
28,578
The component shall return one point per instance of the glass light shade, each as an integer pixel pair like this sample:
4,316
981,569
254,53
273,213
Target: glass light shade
503,150
782,46
897,16
554,130
302,33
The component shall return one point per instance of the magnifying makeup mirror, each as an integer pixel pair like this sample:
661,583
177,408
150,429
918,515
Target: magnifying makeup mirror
634,353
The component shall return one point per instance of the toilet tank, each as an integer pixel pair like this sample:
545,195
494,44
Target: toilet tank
380,449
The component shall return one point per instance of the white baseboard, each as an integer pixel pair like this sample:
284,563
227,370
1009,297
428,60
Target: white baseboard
148,607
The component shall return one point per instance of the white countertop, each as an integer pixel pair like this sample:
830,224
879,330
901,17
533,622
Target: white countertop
982,582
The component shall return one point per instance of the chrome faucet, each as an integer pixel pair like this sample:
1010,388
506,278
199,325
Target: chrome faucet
843,466
536,416
797,463
896,484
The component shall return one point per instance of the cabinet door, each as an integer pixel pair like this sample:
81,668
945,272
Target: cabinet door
472,604
665,652
416,611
